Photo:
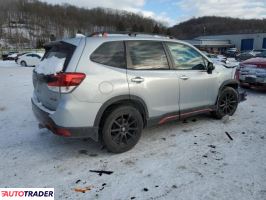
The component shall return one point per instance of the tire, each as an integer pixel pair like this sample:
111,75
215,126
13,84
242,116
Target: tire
227,103
23,63
122,129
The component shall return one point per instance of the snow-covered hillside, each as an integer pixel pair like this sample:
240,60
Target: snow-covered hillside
27,23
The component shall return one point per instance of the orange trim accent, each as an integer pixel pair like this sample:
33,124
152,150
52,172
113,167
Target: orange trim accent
165,119
203,110
173,117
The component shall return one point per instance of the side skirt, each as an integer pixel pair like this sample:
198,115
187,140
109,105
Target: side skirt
178,115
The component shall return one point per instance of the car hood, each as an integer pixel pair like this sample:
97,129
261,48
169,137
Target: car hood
227,72
260,62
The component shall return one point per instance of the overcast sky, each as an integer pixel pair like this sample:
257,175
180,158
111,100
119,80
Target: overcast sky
175,11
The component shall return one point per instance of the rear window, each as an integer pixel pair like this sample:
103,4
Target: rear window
56,58
111,54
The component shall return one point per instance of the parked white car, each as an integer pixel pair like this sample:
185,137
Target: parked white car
30,59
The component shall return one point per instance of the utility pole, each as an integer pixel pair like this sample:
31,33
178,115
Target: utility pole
204,30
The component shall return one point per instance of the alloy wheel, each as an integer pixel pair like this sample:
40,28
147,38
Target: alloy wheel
124,129
228,103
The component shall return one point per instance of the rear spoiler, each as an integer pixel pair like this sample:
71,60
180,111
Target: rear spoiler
50,44
71,41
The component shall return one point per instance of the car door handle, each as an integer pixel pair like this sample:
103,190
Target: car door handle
137,79
184,77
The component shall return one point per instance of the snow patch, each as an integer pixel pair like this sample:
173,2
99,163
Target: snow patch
8,63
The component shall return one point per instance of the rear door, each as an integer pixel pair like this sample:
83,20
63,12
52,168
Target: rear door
35,59
198,89
56,59
150,78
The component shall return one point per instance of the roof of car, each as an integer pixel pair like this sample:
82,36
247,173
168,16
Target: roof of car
128,37
114,37
36,53
105,37
120,37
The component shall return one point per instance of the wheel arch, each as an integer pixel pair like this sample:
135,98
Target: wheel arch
23,61
228,83
135,101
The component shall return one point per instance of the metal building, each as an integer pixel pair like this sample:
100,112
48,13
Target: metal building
211,45
242,42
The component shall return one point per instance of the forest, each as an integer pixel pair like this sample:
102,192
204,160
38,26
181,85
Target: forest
30,23
211,25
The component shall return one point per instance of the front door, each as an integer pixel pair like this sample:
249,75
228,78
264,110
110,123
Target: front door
198,89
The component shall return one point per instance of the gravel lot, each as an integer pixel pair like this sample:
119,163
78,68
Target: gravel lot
193,159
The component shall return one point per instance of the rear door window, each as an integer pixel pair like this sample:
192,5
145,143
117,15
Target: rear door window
111,54
147,55
56,58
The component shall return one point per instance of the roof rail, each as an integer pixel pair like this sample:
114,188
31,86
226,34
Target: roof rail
129,33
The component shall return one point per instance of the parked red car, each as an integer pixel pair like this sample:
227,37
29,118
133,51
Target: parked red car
252,72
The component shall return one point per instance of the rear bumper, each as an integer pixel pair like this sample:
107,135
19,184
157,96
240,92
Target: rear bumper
74,132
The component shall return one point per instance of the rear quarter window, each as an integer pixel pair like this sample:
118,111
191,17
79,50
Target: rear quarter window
111,54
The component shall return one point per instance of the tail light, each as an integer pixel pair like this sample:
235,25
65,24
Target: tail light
65,82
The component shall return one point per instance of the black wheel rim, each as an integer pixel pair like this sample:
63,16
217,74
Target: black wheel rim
124,129
228,103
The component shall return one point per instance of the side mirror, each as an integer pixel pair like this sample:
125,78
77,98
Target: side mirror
210,68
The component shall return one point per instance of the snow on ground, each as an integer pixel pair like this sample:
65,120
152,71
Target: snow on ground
192,160
8,63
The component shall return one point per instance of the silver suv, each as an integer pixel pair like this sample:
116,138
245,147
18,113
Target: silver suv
110,87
